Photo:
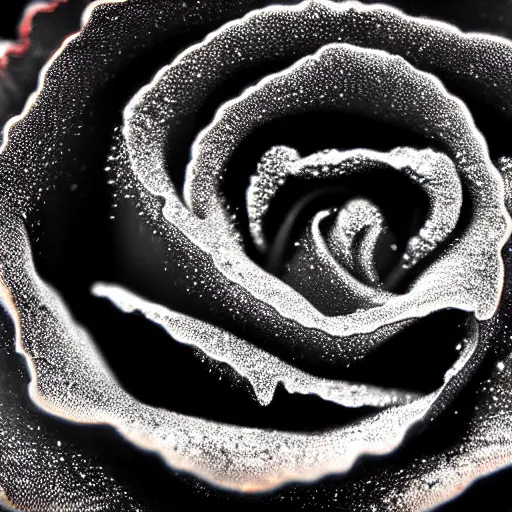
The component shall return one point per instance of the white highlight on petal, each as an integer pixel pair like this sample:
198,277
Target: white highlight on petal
229,456
263,370
331,287
234,457
432,171
353,238
308,84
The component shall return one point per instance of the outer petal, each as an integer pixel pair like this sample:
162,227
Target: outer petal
41,31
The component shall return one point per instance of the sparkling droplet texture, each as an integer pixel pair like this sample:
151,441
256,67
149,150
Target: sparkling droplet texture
373,62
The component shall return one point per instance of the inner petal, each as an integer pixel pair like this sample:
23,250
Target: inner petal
353,238
432,171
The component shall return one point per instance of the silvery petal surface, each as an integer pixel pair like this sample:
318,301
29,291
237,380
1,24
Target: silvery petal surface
204,290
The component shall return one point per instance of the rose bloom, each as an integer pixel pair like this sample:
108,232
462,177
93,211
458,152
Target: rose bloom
254,255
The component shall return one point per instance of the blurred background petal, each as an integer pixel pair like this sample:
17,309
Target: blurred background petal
29,33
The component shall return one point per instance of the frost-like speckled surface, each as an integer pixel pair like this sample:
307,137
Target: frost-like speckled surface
43,26
261,369
435,174
353,237
369,61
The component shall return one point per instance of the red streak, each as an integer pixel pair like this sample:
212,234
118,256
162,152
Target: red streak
19,47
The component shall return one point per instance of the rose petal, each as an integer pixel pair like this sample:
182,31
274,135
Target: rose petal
434,173
309,85
354,236
463,56
229,456
261,369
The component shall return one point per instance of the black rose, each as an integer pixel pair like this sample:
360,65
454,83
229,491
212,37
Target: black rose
301,193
